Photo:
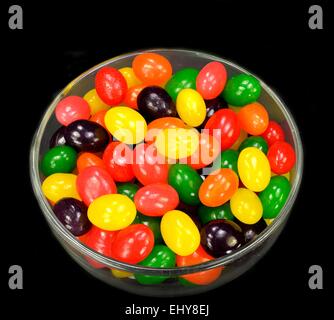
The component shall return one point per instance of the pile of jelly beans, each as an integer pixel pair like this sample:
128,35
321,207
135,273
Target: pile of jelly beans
124,172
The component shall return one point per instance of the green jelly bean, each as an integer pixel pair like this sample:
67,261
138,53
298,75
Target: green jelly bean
185,78
229,159
127,189
256,142
207,214
137,219
274,196
160,257
186,181
241,90
186,283
60,159
153,223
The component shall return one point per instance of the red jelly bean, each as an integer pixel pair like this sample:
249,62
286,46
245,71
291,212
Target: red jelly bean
94,182
281,157
87,159
133,244
273,133
110,86
98,117
130,99
156,199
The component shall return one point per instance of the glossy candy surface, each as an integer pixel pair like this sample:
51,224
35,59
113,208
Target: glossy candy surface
229,159
133,244
255,141
88,159
254,169
112,212
221,237
180,233
93,182
241,90
211,80
273,133
156,199
72,108
254,118
126,124
251,231
98,118
281,157
127,189
274,197
60,159
129,76
182,79
218,187
186,181
153,223
131,96
154,102
110,85
95,102
212,106
72,213
84,135
207,214
58,138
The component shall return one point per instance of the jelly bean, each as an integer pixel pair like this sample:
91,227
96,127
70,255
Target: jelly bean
246,206
251,231
207,214
120,274
221,237
60,185
84,135
155,126
177,143
58,138
256,142
182,79
274,197
254,118
60,159
112,212
126,124
191,107
160,257
212,106
242,136
93,182
154,102
224,126
273,133
211,80
198,257
87,159
127,189
218,187
286,175
152,68
186,182
147,167
254,169
156,199
180,233
153,223
241,90
99,118
229,159
110,85
129,76
100,241
72,108
118,158
269,221
281,157
131,96
186,283
207,151
72,213
95,102
133,244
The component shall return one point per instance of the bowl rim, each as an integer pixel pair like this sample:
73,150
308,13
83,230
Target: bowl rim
176,271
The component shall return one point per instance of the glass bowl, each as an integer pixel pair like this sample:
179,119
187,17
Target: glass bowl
235,263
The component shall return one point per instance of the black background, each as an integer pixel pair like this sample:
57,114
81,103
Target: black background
61,40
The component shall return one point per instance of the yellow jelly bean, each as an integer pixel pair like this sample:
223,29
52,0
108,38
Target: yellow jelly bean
179,232
112,212
60,185
95,102
177,143
268,221
242,136
126,124
121,274
129,76
254,169
246,206
191,107
286,175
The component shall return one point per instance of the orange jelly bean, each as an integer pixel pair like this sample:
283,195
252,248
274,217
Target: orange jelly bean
254,118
